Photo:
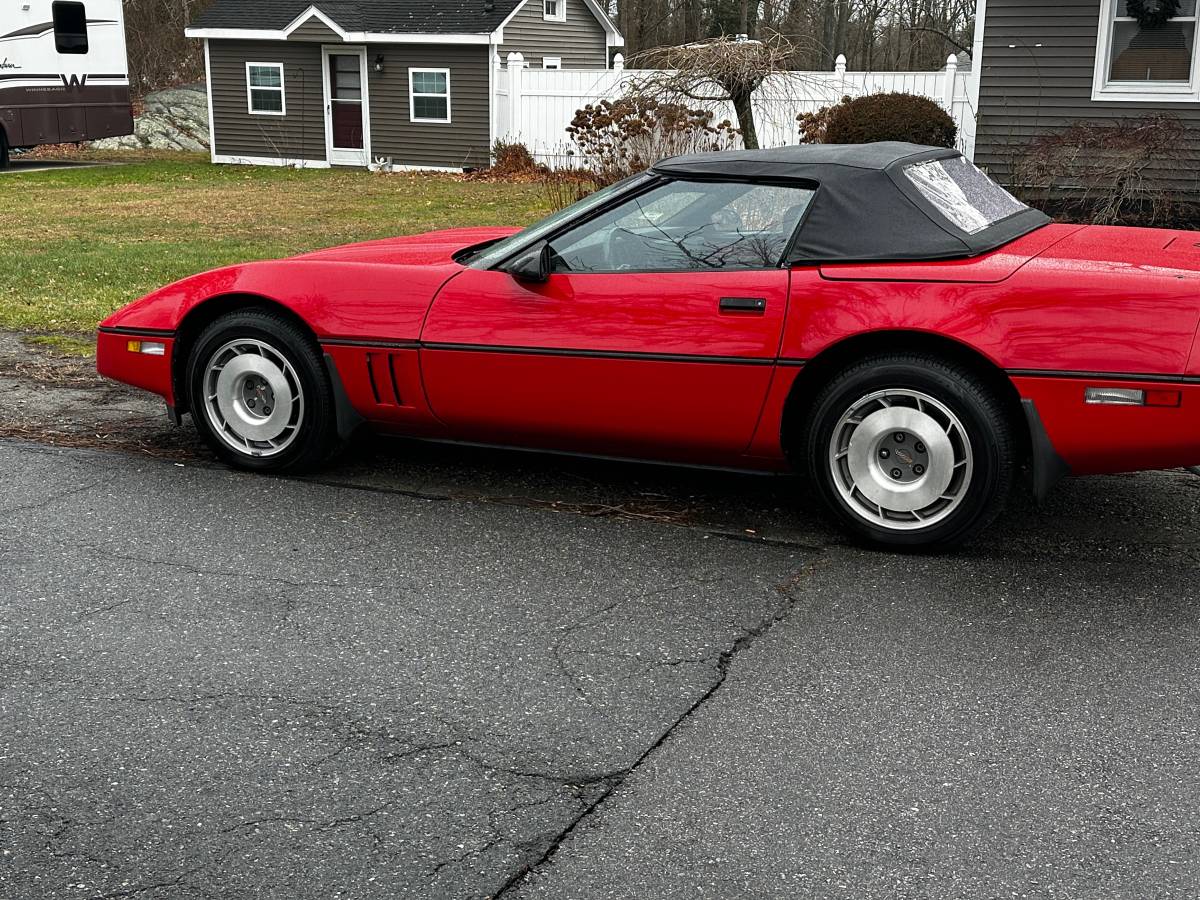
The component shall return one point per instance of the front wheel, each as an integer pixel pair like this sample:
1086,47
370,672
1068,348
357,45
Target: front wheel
4,150
260,394
911,452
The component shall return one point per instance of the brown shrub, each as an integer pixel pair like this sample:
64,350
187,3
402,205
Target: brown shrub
562,187
1103,173
513,158
814,125
886,117
618,138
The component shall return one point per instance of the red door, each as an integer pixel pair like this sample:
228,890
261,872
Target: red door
667,364
656,333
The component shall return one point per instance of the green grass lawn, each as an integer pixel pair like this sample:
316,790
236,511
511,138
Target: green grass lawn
78,244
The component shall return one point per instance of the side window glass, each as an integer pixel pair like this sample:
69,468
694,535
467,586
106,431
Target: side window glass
684,226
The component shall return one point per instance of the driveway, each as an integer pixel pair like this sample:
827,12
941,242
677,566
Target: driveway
18,165
468,674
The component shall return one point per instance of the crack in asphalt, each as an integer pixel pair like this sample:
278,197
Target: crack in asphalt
559,652
320,824
200,570
788,593
588,790
161,885
46,500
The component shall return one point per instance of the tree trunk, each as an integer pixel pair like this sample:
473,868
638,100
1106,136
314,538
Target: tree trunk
744,111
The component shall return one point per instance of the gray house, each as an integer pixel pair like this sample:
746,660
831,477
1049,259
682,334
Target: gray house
1044,66
344,83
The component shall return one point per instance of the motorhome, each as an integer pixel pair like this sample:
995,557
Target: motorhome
63,73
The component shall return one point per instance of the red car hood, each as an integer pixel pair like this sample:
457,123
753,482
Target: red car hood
433,248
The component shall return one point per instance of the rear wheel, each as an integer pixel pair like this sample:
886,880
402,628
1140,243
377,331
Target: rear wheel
260,394
4,154
910,451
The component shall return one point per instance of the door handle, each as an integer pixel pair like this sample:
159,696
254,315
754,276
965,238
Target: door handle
743,304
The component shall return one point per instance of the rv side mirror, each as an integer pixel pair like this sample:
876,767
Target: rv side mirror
533,265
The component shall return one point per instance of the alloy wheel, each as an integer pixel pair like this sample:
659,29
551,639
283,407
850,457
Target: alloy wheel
252,398
901,459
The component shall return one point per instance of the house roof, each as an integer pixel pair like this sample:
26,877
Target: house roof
363,16
372,16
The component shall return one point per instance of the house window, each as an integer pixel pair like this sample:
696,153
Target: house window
1146,64
264,89
70,27
551,62
554,10
429,95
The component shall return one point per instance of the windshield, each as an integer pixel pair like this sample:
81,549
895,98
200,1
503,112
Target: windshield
963,193
500,250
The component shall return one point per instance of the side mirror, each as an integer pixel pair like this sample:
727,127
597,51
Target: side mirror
533,265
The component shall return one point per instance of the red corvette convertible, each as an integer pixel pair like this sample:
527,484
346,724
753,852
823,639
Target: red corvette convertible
883,317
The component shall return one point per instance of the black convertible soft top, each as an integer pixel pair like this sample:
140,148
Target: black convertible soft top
865,208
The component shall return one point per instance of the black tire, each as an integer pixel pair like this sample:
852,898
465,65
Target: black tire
989,444
4,154
314,439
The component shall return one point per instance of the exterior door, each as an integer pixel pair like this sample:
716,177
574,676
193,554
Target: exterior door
347,113
655,336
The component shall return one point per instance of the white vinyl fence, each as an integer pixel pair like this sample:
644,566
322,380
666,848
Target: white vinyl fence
535,106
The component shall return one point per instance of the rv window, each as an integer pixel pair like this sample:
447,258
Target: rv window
70,27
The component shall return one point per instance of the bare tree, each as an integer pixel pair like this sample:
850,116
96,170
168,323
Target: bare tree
874,34
159,53
726,68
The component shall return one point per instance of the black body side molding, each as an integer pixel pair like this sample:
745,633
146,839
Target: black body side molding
1048,467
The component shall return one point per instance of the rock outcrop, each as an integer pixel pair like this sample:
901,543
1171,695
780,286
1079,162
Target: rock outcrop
175,119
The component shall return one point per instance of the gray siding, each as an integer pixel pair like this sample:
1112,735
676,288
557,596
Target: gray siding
579,41
463,142
298,135
315,30
301,133
1038,65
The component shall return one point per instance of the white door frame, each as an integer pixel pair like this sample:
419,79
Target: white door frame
337,156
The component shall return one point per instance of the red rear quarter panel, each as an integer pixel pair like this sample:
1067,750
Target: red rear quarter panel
1091,300
1058,310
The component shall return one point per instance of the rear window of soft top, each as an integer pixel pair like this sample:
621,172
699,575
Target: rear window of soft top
962,193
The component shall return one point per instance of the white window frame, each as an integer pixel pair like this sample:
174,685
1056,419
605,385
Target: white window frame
412,95
551,62
1140,91
250,89
560,10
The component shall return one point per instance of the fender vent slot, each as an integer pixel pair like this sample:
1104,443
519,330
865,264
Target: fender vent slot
381,372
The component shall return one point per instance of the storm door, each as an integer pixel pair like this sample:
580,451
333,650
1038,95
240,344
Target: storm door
347,116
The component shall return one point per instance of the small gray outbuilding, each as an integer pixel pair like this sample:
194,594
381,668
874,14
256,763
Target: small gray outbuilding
410,82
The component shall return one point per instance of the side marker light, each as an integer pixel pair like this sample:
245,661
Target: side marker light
1115,396
147,348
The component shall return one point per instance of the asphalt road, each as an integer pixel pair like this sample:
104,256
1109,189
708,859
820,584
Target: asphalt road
455,673
18,165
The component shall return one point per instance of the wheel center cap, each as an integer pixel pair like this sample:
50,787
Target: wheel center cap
889,470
